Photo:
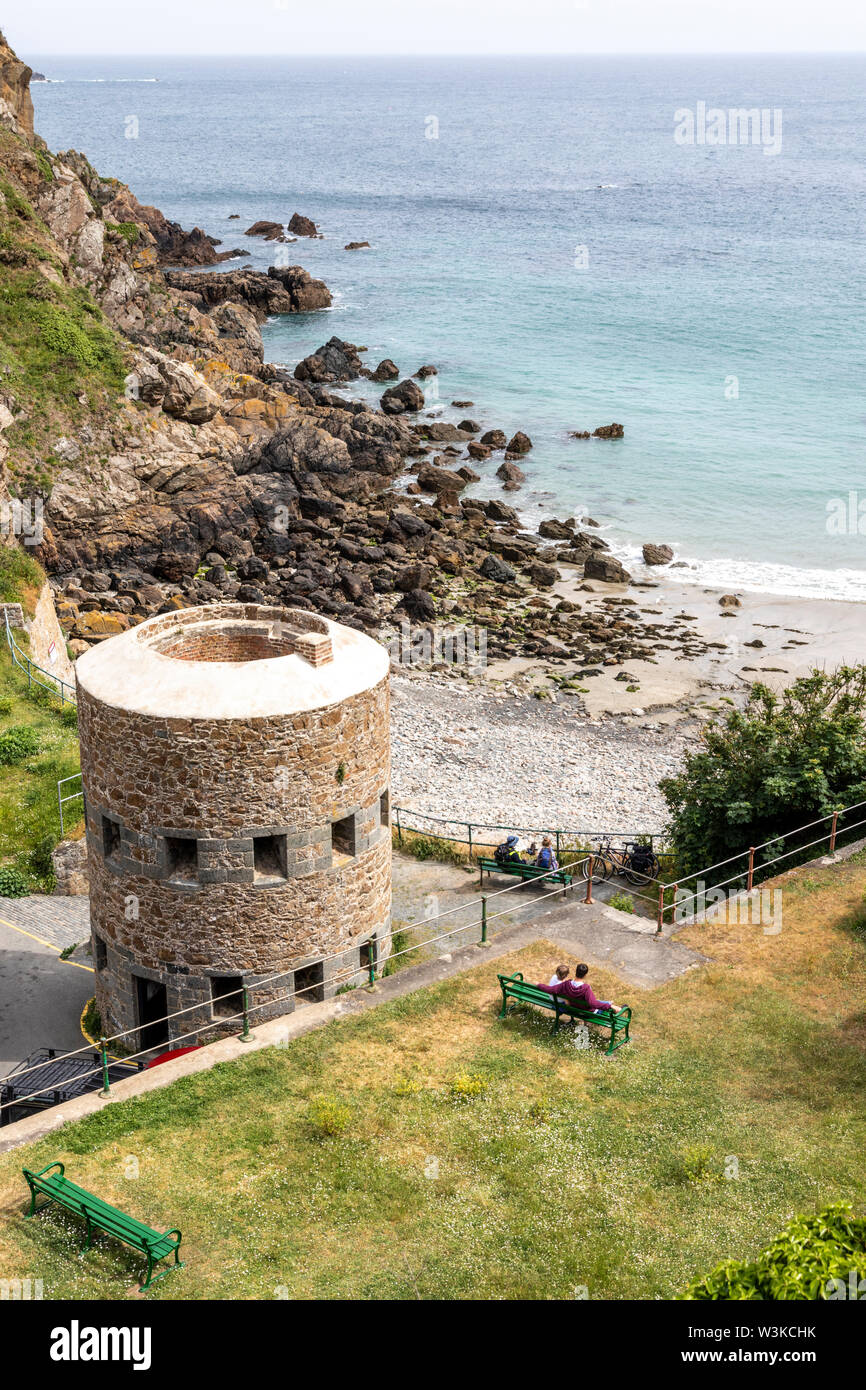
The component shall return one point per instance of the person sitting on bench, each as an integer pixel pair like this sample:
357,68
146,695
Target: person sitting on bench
579,992
559,974
546,858
507,853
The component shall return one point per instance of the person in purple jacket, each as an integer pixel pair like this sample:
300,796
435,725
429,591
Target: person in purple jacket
579,992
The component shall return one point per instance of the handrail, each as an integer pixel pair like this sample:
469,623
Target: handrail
560,834
26,663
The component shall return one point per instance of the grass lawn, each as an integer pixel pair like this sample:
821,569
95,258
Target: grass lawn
566,1170
29,815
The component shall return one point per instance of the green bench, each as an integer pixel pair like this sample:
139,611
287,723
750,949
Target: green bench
155,1245
515,987
518,869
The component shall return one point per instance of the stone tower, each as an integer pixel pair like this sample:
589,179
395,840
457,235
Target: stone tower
235,761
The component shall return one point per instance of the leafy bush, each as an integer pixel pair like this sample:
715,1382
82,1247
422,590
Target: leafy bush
18,743
784,760
696,1165
13,884
802,1263
41,863
69,716
5,705
623,902
328,1116
91,1020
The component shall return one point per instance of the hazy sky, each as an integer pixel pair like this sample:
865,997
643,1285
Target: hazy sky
432,26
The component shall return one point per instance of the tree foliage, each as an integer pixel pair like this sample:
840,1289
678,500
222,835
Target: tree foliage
784,760
814,1257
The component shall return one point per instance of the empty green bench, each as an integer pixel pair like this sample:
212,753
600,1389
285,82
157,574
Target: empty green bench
100,1215
515,987
520,870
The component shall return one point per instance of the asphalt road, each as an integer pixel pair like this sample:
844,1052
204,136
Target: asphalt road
41,998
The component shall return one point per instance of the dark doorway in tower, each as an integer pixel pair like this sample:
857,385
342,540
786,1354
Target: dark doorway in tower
152,1002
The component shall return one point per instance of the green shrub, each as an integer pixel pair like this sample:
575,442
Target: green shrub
18,743
13,884
696,1165
783,761
803,1262
5,705
328,1117
91,1020
40,860
69,716
623,902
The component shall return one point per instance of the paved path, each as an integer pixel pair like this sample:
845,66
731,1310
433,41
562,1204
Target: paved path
58,921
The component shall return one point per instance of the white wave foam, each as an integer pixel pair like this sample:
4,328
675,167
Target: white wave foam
754,576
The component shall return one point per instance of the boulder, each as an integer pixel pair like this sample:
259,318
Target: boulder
302,226
519,443
511,474
433,479
609,432
356,245
553,530
477,450
469,426
271,231
657,554
419,605
405,397
386,371
413,577
729,601
605,568
545,576
427,370
497,570
494,439
335,360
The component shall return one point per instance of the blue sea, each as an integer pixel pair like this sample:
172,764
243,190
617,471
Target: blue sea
539,234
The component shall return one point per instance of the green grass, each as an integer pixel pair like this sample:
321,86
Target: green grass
29,814
62,360
426,1149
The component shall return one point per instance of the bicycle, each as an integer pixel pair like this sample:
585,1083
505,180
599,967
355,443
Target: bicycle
635,862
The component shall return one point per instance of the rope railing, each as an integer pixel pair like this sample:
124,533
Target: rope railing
29,666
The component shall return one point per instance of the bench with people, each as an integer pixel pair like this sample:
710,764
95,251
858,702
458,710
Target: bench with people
543,864
573,1000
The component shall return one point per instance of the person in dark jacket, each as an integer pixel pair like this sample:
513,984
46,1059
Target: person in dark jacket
507,853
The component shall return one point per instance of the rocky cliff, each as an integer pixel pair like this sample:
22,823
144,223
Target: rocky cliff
175,466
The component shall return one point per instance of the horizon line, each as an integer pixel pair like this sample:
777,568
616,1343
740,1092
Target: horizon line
576,53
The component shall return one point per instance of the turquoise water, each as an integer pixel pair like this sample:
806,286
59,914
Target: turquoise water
704,264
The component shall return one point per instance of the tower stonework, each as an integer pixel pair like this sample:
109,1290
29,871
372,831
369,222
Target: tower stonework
235,762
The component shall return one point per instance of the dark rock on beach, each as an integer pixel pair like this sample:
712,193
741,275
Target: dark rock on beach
519,443
657,554
405,397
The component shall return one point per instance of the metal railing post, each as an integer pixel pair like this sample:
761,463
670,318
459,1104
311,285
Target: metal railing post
660,914
833,832
469,828
483,919
246,1035
106,1086
751,877
588,899
371,973
399,831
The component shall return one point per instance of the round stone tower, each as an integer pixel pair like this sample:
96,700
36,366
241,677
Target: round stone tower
235,761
